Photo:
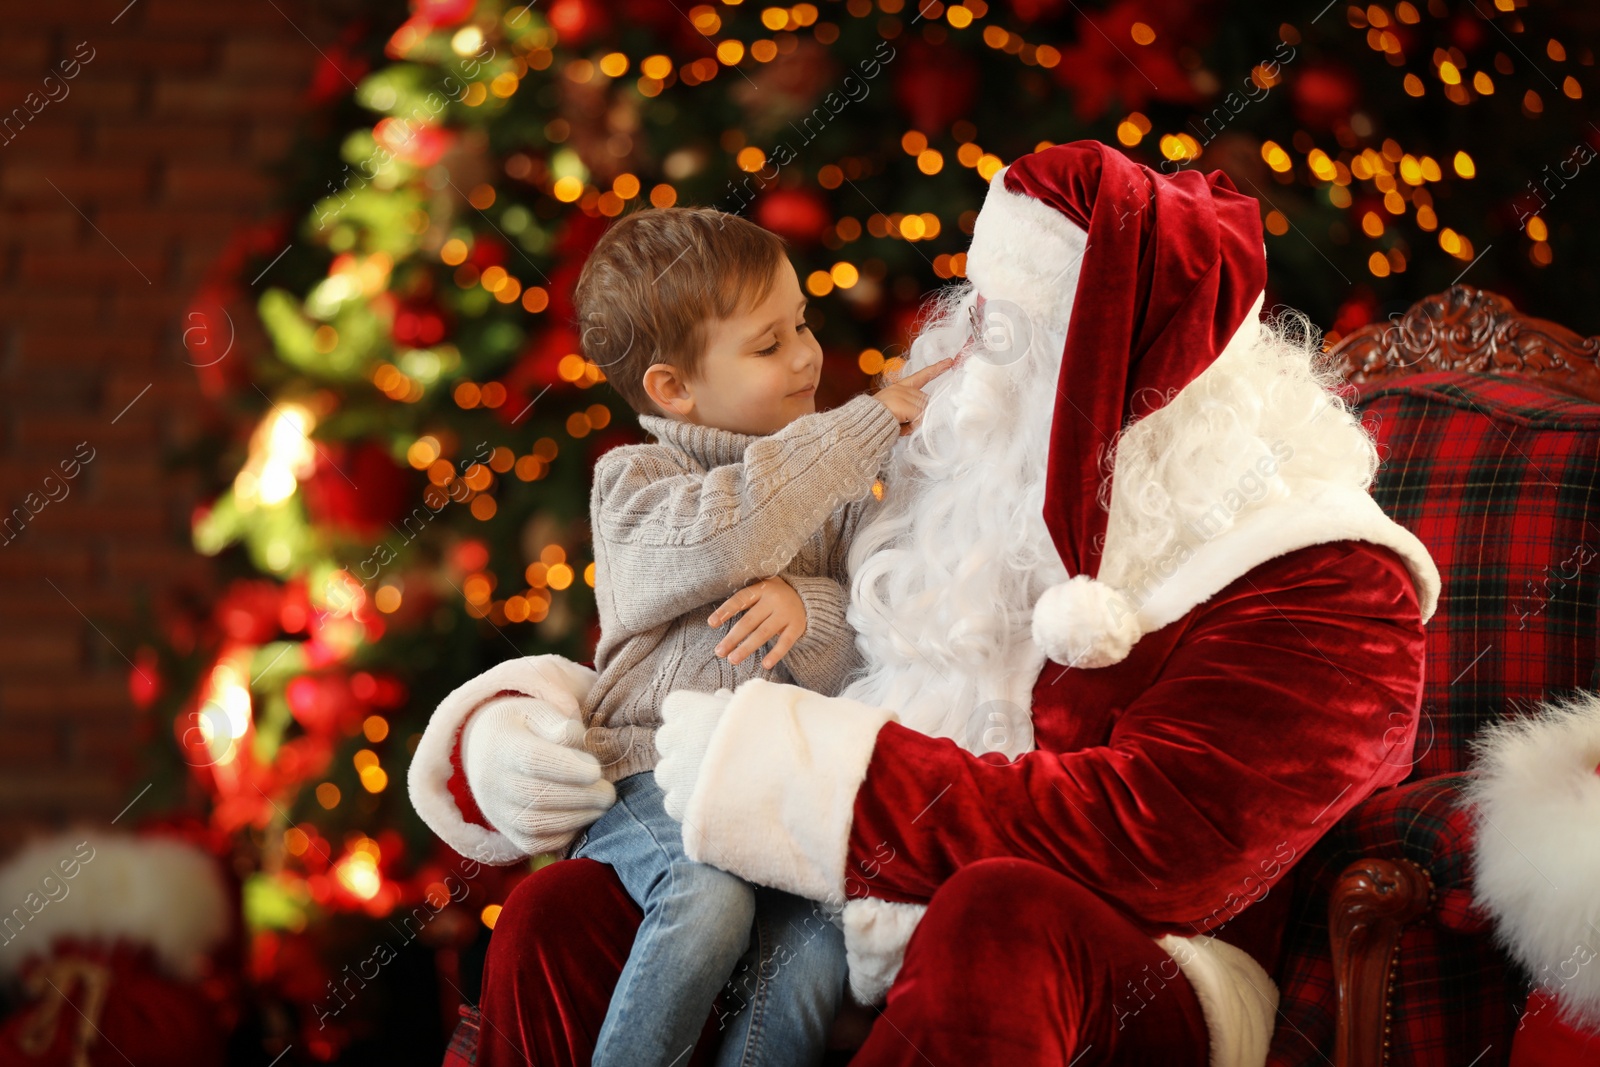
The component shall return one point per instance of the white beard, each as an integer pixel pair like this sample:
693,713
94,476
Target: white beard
946,573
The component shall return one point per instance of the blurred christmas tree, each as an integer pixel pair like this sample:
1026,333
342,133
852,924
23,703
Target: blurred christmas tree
401,474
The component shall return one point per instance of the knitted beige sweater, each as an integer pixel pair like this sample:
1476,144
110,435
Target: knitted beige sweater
681,524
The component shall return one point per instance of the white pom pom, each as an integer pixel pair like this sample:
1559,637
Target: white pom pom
1085,623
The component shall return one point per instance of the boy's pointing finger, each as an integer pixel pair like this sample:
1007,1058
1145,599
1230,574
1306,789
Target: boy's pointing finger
928,373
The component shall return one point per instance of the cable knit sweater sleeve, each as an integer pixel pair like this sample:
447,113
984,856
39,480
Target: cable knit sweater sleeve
826,653
675,536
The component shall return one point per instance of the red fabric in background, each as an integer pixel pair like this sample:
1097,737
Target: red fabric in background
1544,1040
140,1015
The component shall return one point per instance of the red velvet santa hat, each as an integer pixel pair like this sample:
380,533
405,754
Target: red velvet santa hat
1155,274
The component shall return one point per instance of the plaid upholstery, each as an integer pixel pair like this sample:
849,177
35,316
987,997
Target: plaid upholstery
1500,479
1445,965
463,1050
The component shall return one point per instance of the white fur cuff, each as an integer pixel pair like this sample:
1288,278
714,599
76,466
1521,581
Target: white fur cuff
776,794
875,937
1536,802
1237,997
552,678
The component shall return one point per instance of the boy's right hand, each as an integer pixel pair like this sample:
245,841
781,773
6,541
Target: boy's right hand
905,397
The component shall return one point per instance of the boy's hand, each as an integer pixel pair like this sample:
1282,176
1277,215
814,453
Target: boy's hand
771,609
905,397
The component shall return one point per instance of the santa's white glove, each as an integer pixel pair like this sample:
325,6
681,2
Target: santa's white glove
530,775
688,720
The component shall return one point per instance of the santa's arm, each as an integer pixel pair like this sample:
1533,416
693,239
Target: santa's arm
1293,696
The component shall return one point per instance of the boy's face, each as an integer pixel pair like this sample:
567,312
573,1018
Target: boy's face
760,369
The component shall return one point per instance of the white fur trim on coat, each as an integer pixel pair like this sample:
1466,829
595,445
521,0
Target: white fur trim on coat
1044,281
553,678
1237,997
1316,513
101,888
875,937
777,789
1536,804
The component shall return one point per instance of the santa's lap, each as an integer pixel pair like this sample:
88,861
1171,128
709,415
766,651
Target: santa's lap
1012,963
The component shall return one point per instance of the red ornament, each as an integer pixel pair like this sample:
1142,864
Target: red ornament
469,555
357,489
1360,309
577,240
1323,94
145,683
339,70
797,214
211,341
487,251
443,12
934,86
537,369
1035,10
324,705
577,21
302,758
249,611
419,323
1467,32
1100,71
295,610
418,145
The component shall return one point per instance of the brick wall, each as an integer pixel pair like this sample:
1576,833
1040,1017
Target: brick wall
114,200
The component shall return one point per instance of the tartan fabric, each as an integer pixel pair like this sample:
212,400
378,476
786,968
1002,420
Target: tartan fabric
1500,479
463,1049
1454,995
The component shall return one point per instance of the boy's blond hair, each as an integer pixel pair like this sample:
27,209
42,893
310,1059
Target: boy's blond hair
654,281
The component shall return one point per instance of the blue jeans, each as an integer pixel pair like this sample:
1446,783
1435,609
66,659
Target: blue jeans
779,956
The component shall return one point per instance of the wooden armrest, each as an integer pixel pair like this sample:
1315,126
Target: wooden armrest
1370,905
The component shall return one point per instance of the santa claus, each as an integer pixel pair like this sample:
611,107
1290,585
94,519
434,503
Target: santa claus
1135,634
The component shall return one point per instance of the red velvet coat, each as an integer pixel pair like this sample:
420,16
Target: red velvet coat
1183,782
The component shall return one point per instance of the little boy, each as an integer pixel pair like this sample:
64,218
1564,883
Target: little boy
727,535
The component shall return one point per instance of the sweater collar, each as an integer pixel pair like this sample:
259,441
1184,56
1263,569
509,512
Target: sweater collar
708,445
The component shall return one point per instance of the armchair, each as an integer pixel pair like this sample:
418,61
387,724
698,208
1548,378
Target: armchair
1488,423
